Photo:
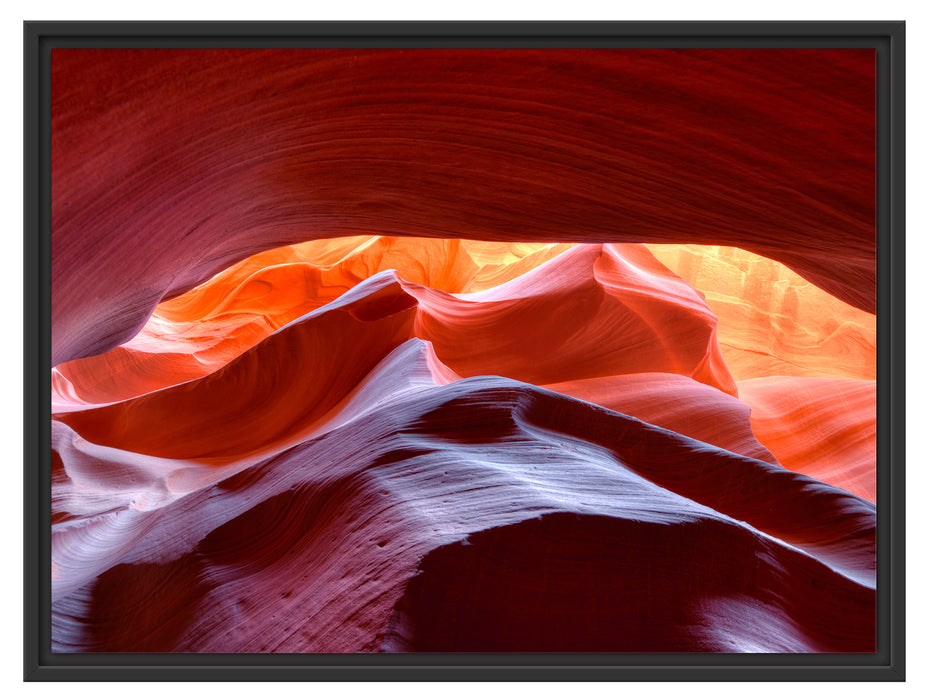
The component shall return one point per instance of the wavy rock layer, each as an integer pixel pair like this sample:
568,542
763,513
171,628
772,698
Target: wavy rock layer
198,332
584,312
825,428
315,548
334,486
677,403
213,155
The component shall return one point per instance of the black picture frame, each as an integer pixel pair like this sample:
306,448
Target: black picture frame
887,664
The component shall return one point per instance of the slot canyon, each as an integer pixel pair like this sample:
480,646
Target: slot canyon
463,350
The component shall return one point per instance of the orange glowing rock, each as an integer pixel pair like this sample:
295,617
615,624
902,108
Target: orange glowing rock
521,330
592,311
770,320
282,385
558,322
822,427
196,333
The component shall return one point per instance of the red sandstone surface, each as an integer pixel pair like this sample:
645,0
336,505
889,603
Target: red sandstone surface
465,408
168,167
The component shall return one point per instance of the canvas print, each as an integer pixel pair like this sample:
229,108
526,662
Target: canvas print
463,350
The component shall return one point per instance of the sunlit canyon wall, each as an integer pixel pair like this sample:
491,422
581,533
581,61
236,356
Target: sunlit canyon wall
463,350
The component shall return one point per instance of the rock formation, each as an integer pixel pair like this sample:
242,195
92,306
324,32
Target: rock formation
364,351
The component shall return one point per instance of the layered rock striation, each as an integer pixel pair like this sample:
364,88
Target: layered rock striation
385,351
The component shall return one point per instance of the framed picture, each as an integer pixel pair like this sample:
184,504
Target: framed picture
464,351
